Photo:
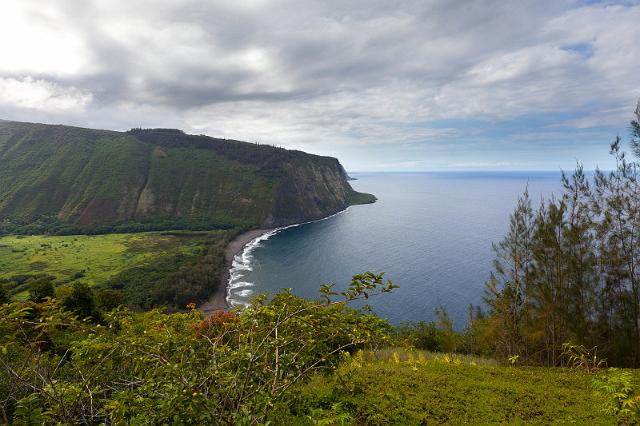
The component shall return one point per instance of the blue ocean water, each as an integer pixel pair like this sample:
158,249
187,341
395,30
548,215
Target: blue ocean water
431,233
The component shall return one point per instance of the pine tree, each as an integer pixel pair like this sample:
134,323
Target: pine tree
505,290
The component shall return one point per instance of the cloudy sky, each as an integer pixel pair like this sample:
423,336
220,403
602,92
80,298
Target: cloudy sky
383,85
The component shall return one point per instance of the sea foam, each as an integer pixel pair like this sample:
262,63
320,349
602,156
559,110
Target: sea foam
237,294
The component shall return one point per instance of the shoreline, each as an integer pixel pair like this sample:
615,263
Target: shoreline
218,299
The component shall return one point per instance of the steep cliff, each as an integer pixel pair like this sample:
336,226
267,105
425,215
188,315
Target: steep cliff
65,179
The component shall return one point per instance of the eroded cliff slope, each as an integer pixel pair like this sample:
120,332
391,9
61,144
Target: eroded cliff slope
65,179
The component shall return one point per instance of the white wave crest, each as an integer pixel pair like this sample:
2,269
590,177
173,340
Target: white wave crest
242,262
244,293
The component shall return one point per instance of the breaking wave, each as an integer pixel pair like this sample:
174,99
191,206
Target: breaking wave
237,292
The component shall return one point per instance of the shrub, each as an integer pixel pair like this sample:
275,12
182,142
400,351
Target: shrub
421,335
4,296
155,368
40,289
82,302
618,390
578,356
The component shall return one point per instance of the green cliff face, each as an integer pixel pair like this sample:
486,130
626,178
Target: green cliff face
61,177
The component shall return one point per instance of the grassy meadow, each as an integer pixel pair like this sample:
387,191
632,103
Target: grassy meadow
416,387
94,259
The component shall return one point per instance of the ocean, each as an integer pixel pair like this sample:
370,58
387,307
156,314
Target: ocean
430,233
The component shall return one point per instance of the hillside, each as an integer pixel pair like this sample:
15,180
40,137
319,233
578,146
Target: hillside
398,387
316,363
62,179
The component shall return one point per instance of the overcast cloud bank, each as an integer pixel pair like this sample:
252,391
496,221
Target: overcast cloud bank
403,85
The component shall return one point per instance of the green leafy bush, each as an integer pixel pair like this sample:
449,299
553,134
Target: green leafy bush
619,391
82,302
150,367
40,289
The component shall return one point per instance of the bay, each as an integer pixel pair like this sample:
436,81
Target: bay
431,233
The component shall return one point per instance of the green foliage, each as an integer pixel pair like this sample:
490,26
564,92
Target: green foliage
505,290
82,302
513,359
96,258
41,289
419,335
567,272
29,411
154,368
443,389
144,270
361,198
580,357
63,180
108,299
441,336
449,338
635,132
333,416
618,390
4,296
362,286
175,279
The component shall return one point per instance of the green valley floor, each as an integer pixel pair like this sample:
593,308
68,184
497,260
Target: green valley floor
100,259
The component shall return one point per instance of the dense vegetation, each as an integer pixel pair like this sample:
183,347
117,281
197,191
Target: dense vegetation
175,280
146,270
287,361
66,180
569,271
402,387
147,368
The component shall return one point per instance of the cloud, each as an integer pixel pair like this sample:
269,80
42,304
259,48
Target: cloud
324,75
41,95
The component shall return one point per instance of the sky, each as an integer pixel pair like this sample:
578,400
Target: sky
413,85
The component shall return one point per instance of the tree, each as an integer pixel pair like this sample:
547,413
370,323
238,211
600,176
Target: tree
4,296
572,274
445,327
548,288
107,299
40,289
505,290
82,301
635,132
617,202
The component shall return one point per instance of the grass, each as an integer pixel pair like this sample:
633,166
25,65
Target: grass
95,259
396,387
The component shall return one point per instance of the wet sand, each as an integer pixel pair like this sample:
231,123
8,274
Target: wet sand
219,299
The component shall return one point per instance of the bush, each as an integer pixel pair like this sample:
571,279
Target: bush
617,388
156,368
41,288
82,302
4,296
421,335
107,299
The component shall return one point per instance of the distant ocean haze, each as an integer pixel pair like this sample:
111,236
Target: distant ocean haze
431,233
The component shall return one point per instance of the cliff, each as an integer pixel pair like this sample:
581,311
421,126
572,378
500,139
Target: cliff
63,179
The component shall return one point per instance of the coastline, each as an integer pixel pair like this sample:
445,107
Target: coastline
219,298
218,301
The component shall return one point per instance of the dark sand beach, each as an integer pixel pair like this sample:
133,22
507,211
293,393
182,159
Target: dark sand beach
219,299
